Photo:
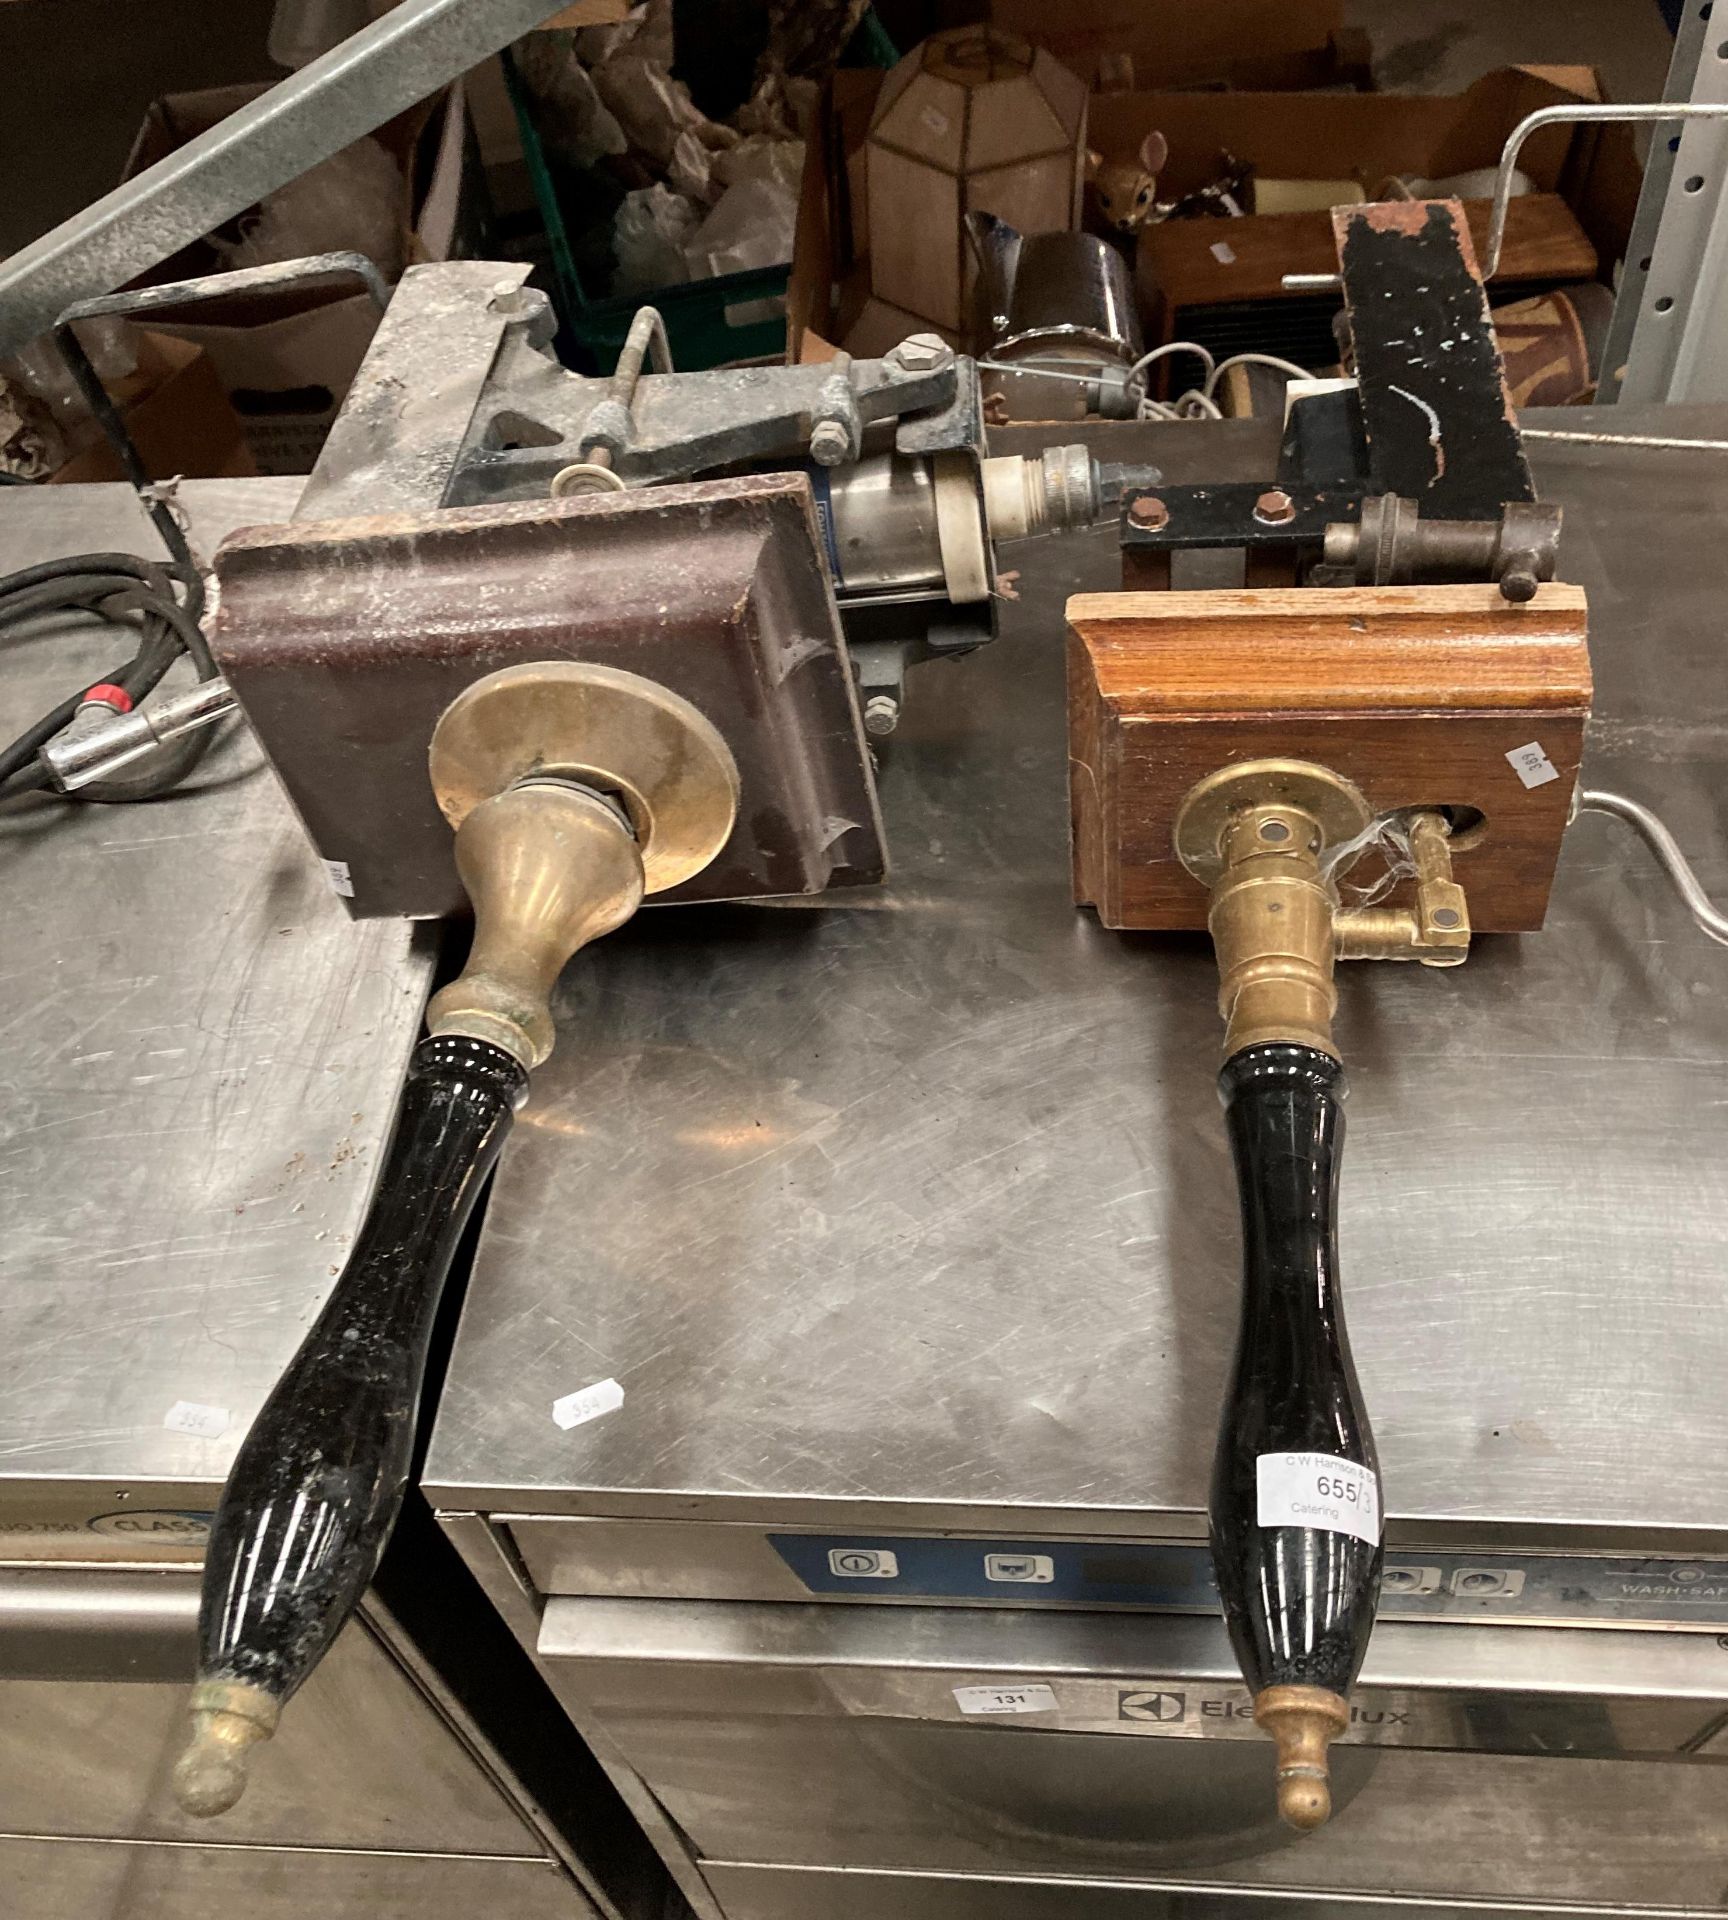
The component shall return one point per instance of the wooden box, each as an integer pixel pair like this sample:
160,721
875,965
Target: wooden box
1196,277
1424,696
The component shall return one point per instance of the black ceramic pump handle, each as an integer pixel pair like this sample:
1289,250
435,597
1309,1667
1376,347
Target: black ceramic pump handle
1296,1486
550,863
319,1479
1295,1508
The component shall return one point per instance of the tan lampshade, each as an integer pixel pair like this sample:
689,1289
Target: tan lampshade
971,121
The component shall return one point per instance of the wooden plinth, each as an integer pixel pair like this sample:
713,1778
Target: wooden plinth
1417,694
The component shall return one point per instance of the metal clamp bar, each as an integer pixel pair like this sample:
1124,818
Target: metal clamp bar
402,57
1669,442
269,278
179,293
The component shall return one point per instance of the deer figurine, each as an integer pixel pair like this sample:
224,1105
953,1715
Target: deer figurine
1122,195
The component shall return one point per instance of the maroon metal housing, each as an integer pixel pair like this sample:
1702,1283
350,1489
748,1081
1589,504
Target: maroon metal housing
346,639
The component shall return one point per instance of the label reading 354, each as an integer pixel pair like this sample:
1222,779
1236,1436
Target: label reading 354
1317,1490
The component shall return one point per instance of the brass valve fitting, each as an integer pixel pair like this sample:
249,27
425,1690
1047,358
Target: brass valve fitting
1435,931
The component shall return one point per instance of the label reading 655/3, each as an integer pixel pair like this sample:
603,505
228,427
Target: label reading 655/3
1317,1490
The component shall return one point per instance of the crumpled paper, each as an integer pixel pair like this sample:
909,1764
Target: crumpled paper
653,108
649,234
755,219
31,444
573,120
727,197
352,202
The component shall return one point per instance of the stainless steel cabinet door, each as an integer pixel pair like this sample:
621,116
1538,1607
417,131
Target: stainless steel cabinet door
1493,1765
84,1880
92,1716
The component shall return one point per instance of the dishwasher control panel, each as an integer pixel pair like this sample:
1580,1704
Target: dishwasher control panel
1177,1578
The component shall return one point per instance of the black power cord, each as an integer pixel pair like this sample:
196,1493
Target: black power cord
161,604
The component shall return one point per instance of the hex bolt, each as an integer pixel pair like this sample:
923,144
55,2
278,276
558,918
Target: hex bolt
830,443
881,714
1275,508
1149,511
922,353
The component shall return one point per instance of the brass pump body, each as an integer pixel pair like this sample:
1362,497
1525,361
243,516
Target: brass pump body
549,866
1271,922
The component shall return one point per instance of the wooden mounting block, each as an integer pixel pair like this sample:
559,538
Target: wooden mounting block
1424,696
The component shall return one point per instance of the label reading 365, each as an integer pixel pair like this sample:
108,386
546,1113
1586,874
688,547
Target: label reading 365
1317,1490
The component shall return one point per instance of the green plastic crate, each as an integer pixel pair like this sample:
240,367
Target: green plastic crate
736,316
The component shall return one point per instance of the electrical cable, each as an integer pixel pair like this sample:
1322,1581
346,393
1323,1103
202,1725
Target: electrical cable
1197,403
159,601
1254,360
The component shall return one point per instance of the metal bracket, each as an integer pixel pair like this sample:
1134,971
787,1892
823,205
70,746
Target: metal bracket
184,293
404,56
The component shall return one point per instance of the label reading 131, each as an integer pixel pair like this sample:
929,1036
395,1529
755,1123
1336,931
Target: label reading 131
1317,1490
1032,1699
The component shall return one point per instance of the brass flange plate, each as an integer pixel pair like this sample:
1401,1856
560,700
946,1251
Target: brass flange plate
615,730
1334,803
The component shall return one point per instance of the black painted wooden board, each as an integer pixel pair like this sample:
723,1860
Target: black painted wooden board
1434,401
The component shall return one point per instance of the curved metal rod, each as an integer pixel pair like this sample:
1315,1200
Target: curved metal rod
1670,442
1667,851
1586,112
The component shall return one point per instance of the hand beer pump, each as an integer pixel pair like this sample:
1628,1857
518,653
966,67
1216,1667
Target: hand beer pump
1319,768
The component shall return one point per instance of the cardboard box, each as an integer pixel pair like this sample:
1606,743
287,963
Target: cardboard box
1219,281
286,360
1366,136
178,416
1243,44
1227,43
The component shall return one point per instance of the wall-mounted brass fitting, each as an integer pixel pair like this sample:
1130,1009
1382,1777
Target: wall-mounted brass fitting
1269,837
574,790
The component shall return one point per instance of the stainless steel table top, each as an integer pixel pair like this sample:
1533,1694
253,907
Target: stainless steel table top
201,1055
917,1208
